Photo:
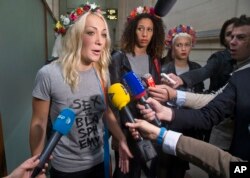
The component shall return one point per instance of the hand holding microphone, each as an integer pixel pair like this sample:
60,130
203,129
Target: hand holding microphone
61,126
119,97
162,112
138,91
172,80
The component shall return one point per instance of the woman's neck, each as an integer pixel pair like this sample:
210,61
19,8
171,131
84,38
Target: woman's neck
140,51
180,63
84,67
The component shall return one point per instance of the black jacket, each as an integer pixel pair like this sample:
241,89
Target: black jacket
119,66
218,68
169,67
233,101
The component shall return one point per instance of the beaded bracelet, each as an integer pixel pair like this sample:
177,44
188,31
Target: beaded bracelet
161,135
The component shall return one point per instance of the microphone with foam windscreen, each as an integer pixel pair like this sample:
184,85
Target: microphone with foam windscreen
120,98
148,80
162,7
138,91
61,126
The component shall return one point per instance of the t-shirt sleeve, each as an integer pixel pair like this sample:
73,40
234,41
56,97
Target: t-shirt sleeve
42,84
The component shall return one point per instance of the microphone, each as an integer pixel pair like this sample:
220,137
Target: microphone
61,126
162,7
138,91
148,80
119,97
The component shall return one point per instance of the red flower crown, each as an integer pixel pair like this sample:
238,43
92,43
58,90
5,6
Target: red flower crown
69,19
180,29
140,10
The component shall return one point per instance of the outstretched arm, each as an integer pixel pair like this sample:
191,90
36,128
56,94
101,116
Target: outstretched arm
25,169
116,131
208,157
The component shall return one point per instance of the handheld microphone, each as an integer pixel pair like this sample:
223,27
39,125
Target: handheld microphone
162,7
148,80
138,91
61,126
119,97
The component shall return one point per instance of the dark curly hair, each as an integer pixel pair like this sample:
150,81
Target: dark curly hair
156,45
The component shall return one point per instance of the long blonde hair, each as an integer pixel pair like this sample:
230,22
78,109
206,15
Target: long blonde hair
70,56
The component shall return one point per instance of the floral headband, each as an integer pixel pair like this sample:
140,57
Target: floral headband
140,10
177,30
69,19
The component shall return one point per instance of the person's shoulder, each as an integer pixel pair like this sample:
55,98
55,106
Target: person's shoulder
117,52
50,60
245,71
118,55
241,76
221,55
195,64
49,68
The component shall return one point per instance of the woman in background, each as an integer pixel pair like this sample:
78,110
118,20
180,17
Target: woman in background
180,40
142,46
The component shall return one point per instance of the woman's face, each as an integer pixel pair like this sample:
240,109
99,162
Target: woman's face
182,47
144,32
94,39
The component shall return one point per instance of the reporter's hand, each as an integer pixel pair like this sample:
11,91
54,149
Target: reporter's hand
176,78
162,112
162,93
148,130
26,168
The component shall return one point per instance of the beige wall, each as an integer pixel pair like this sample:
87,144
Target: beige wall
206,16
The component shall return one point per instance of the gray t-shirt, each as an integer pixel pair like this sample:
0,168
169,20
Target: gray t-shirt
139,64
82,148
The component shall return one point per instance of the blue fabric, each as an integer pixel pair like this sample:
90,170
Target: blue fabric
106,153
160,136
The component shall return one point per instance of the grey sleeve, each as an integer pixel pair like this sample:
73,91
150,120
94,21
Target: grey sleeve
42,84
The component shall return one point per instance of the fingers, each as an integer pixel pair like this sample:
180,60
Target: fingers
124,155
124,165
148,114
177,79
132,128
159,93
30,163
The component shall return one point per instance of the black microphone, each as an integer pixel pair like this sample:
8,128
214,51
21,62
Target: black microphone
162,7
61,126
119,97
138,91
